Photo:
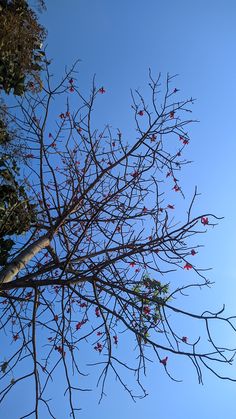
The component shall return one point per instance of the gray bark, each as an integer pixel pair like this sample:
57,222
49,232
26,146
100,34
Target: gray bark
16,265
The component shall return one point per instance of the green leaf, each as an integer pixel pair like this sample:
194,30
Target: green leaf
4,367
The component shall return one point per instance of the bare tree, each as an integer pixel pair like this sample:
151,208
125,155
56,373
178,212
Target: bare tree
100,257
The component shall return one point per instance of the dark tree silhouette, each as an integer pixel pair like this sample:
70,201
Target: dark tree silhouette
96,265
21,60
21,54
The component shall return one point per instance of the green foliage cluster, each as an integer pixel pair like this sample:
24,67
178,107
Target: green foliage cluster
21,57
21,37
155,288
4,134
16,212
150,313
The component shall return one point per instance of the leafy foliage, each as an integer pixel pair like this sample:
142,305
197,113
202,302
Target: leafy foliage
21,37
16,212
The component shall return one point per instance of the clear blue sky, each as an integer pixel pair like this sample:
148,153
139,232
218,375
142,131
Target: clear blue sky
119,41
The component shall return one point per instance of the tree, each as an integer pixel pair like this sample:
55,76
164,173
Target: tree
16,211
21,54
99,259
21,60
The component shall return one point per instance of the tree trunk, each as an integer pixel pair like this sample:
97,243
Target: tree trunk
10,271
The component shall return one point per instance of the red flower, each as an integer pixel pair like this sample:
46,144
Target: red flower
132,264
53,144
59,349
183,139
99,333
193,252
187,266
204,220
115,340
97,312
184,339
98,347
56,317
140,113
71,89
171,206
79,325
168,174
67,114
118,229
71,81
102,90
144,210
15,337
164,361
29,156
172,114
176,188
62,115
153,138
146,310
135,174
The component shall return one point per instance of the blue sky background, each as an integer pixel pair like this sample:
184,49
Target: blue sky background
119,41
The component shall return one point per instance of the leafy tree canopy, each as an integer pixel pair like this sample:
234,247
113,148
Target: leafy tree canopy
21,38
